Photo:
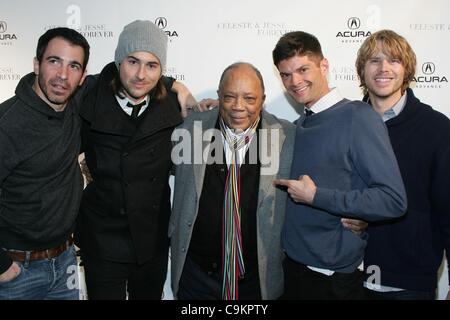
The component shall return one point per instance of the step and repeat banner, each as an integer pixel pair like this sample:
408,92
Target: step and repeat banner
205,36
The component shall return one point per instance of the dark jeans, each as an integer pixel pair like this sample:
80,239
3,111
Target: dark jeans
302,283
109,280
401,295
46,279
196,284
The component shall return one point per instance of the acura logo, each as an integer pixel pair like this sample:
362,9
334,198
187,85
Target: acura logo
161,22
3,26
353,23
428,68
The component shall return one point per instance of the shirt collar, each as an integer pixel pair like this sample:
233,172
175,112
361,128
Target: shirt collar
327,101
396,109
123,102
232,134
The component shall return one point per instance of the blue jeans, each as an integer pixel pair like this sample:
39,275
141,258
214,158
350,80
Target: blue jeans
46,279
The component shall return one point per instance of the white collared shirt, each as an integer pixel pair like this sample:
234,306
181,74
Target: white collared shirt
123,104
241,152
327,101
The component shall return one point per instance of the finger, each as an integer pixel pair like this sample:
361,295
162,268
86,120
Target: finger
198,107
208,104
202,107
281,182
346,221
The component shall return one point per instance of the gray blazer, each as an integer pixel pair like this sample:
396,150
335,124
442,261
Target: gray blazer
271,203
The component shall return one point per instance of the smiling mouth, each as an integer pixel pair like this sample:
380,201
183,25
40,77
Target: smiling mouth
238,118
383,79
301,89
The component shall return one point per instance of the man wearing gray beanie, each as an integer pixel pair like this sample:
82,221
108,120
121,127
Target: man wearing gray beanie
142,35
127,122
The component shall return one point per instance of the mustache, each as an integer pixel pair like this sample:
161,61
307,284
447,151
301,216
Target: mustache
59,82
137,81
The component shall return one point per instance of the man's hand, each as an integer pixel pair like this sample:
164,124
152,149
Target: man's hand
355,226
185,98
302,190
85,170
11,273
208,104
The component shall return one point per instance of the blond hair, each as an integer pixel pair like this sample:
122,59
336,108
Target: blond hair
391,44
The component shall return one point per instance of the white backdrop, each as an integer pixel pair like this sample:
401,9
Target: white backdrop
208,35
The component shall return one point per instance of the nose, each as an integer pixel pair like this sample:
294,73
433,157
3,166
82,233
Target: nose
384,64
141,72
63,71
296,79
239,104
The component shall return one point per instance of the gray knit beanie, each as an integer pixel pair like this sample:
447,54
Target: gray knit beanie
142,35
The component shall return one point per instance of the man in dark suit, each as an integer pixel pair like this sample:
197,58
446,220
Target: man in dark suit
128,118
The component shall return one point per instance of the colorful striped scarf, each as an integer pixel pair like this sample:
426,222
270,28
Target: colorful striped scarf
232,255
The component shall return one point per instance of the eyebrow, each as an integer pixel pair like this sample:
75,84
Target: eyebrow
59,58
137,59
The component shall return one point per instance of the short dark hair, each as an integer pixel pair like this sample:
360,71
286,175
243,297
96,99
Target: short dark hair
70,35
297,43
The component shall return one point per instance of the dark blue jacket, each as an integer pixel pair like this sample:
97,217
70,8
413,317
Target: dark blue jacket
409,250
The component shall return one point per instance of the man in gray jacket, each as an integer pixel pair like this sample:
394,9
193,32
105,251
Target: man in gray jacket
213,257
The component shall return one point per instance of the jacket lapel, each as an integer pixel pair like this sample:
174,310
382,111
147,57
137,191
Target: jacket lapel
159,115
107,116
266,188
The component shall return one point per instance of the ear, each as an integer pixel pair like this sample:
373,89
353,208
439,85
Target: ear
263,98
83,77
324,66
36,66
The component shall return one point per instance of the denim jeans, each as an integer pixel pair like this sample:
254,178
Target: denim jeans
46,279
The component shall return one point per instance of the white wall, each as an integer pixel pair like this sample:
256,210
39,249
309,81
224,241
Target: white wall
208,35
